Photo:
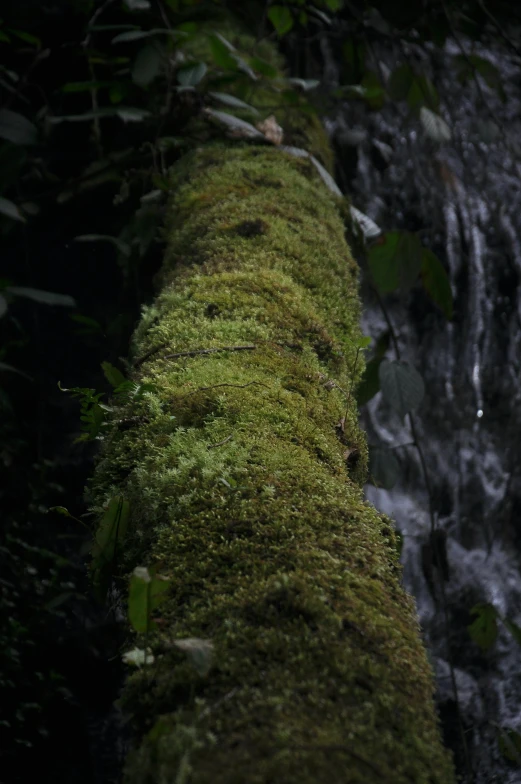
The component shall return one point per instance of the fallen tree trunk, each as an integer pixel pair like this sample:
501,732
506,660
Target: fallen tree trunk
242,468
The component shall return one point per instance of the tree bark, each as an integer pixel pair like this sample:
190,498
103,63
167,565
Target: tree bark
243,470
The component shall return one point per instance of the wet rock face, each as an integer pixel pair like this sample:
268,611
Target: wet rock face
463,197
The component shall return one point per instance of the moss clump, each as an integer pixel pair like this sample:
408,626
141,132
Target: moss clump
242,484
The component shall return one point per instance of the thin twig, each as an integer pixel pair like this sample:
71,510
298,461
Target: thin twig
238,386
148,354
499,28
220,443
196,351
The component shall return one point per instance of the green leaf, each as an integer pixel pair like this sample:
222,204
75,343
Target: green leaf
114,376
231,100
384,468
133,35
395,260
110,534
373,92
147,65
436,282
146,592
400,82
45,297
191,75
221,50
199,652
10,210
264,68
470,64
369,384
12,158
304,84
137,5
401,385
509,743
132,113
423,93
82,87
16,128
281,19
484,629
514,630
89,326
26,37
123,247
125,113
10,369
435,126
237,127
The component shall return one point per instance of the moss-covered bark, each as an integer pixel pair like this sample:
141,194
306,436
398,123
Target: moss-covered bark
243,470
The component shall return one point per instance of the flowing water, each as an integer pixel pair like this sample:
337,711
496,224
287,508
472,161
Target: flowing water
464,200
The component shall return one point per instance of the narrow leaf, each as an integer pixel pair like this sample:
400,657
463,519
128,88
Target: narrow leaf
111,532
304,84
235,126
10,369
147,591
45,297
231,100
123,247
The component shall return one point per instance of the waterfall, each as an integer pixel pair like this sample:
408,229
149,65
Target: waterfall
463,198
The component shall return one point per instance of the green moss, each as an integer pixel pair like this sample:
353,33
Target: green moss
244,473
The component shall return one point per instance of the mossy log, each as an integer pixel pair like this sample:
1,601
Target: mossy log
243,470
